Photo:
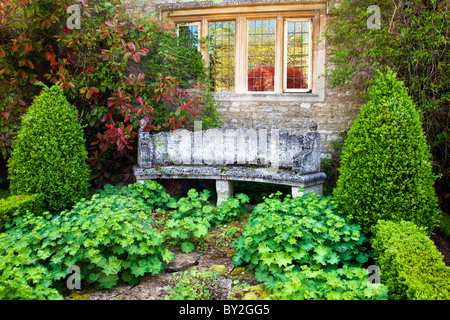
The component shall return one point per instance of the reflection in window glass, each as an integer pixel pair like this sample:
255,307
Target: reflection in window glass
261,55
221,55
189,35
298,35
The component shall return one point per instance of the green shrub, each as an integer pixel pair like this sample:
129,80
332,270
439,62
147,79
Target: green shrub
110,238
19,203
196,205
22,279
282,235
385,168
152,193
193,285
347,283
193,216
411,266
49,155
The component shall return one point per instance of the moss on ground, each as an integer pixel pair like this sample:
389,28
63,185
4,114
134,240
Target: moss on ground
257,292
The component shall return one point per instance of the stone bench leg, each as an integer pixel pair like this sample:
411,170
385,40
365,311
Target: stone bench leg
224,190
315,187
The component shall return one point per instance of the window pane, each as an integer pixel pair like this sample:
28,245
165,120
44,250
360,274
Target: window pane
261,55
298,54
221,55
189,35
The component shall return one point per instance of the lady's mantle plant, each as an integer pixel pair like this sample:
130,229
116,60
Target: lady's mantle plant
302,249
193,216
110,237
283,236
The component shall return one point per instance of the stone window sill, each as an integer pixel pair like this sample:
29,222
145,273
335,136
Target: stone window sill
291,96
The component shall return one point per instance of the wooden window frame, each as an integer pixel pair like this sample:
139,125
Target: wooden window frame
209,22
241,15
247,56
285,54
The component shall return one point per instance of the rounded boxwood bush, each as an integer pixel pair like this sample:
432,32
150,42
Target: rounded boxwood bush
386,171
49,155
411,266
19,203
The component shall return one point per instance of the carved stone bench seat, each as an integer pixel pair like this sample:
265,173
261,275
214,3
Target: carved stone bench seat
229,154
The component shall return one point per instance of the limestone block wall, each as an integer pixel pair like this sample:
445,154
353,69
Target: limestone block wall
334,114
334,111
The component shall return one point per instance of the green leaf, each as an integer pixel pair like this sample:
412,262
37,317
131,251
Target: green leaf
263,248
168,256
187,247
268,258
128,277
108,281
113,266
283,259
201,231
93,277
333,259
44,254
321,252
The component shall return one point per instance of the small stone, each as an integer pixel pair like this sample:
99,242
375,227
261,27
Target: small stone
183,262
224,287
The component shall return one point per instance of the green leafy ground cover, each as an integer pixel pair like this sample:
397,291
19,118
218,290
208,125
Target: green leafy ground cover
285,248
302,249
112,237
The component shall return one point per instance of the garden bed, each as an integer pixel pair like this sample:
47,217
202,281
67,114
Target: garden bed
215,255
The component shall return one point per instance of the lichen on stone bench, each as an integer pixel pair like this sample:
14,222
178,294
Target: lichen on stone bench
228,154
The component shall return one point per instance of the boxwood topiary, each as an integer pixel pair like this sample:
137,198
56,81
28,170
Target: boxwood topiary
411,266
386,170
20,203
49,155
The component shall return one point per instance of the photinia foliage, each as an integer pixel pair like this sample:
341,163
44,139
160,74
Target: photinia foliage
119,68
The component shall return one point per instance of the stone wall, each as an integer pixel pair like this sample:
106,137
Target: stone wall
334,111
334,114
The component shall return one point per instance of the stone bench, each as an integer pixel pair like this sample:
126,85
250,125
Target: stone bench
228,154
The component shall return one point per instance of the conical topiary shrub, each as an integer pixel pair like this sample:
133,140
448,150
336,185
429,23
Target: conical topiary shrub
49,155
386,170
